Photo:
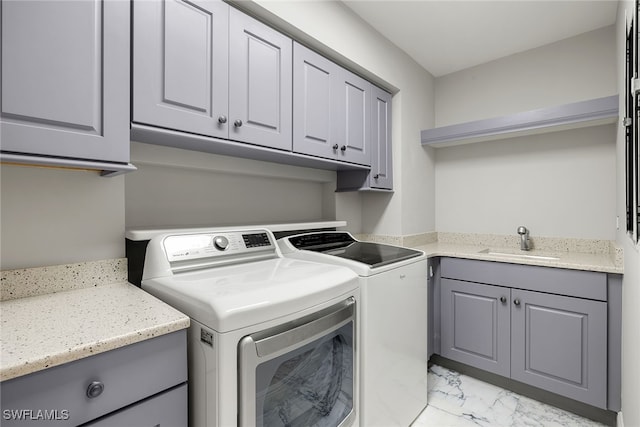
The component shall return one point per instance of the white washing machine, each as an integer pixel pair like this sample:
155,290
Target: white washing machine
393,327
272,340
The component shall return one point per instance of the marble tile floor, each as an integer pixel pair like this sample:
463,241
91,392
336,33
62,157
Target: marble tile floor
457,400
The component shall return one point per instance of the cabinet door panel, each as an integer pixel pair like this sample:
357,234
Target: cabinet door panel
313,100
64,79
560,344
354,109
381,155
260,83
475,325
180,72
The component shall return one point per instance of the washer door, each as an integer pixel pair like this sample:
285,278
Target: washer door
301,376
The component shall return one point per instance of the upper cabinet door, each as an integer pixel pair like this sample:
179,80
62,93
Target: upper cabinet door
314,97
260,83
180,66
65,79
353,123
381,153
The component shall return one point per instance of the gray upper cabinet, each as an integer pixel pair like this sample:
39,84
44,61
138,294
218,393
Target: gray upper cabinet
260,83
332,109
381,175
65,80
181,65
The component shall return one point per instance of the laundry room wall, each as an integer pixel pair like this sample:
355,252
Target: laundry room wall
560,184
56,216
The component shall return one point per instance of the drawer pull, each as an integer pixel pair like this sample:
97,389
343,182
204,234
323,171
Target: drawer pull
95,389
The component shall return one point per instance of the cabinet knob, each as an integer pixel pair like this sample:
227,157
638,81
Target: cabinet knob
516,301
335,146
503,299
343,148
95,389
222,119
237,123
376,176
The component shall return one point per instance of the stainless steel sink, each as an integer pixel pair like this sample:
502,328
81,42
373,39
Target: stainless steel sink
518,255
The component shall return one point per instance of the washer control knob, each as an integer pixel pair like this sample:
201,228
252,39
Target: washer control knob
220,242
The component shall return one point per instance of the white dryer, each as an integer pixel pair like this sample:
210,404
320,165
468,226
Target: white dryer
272,340
393,320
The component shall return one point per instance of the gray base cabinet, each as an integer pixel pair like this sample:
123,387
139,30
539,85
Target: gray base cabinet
142,384
65,82
493,318
476,325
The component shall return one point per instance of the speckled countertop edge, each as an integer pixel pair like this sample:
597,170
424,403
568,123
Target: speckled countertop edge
29,282
49,330
570,260
575,254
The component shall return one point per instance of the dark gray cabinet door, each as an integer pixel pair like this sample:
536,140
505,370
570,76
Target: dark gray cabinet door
381,175
475,325
180,65
354,109
65,79
559,344
260,83
315,92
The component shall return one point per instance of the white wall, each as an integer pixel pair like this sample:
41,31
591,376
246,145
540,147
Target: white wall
631,279
54,216
175,187
570,70
559,184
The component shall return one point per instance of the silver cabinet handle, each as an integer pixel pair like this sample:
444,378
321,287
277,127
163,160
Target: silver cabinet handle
503,299
237,123
343,148
516,301
95,389
376,176
222,119
335,146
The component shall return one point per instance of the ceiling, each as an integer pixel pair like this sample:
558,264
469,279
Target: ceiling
445,36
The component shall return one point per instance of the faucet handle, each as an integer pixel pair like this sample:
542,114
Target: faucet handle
523,230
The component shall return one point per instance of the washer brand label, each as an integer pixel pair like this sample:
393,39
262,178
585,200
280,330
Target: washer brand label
206,337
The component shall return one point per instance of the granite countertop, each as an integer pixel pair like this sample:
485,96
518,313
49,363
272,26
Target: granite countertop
50,329
571,253
607,262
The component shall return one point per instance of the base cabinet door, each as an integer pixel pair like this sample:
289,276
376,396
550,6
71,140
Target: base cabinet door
559,344
475,325
180,65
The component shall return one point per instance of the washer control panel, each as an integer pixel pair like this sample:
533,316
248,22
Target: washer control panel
188,247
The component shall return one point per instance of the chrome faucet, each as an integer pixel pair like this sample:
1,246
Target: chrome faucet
525,243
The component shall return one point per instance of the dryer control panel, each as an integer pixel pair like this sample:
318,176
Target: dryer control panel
218,245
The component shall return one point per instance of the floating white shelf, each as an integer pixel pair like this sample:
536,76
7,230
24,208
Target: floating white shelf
592,112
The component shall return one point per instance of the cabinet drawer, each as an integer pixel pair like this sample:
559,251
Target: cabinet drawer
168,409
576,283
128,374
